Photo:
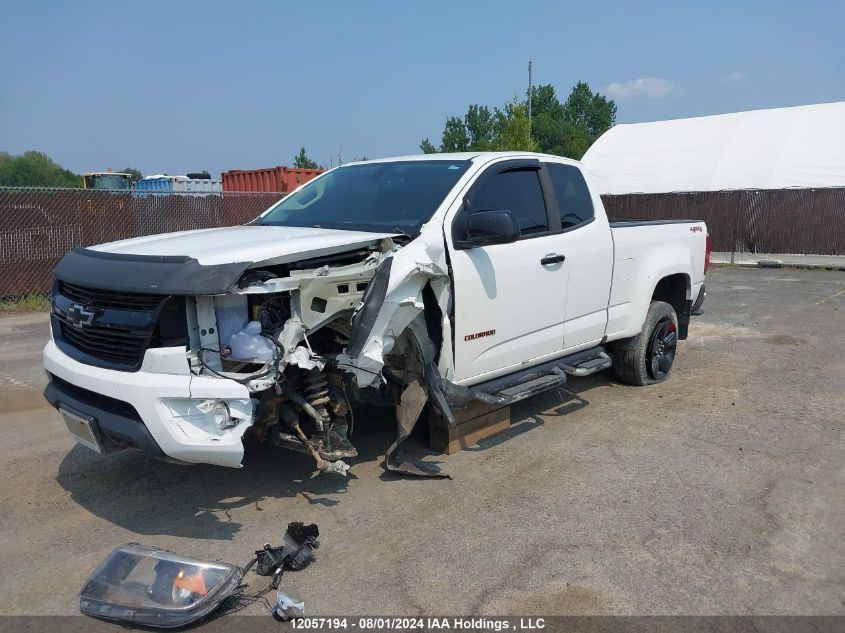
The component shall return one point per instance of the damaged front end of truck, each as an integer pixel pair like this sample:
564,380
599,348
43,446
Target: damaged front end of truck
343,333
284,353
184,344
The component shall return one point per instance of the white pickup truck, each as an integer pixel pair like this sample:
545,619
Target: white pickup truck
443,278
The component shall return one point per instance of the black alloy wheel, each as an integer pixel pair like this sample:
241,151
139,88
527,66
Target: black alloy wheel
661,348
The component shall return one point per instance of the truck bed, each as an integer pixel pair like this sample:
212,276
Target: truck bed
646,251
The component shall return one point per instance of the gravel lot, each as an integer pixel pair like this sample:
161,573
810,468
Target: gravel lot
720,491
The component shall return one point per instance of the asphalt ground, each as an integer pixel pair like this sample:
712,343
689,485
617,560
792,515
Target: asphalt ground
719,491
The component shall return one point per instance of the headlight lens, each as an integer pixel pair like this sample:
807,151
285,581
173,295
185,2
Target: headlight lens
222,416
204,419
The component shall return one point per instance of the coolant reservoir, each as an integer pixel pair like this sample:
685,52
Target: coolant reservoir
249,346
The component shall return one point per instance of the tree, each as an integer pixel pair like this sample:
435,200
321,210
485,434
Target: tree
513,131
455,136
570,128
590,109
427,147
555,135
475,132
481,127
303,161
34,169
545,101
564,129
135,174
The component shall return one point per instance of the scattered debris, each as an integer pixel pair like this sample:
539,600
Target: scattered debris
289,605
297,552
300,542
147,586
270,561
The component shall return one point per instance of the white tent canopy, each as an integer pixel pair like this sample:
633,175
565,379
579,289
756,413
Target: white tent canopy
761,149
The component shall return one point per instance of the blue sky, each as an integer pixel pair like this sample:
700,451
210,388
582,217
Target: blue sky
183,86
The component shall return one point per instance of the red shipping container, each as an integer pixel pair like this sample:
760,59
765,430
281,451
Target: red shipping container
270,179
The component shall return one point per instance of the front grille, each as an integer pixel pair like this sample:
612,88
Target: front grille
123,348
124,325
110,298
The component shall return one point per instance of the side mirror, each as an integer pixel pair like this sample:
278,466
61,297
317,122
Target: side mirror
491,227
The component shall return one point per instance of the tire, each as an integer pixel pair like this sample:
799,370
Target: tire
647,358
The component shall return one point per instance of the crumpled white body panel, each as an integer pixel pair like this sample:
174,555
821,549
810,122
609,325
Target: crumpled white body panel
420,262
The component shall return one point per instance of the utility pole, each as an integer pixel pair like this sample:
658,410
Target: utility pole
529,97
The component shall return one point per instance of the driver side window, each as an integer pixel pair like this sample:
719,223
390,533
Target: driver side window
517,190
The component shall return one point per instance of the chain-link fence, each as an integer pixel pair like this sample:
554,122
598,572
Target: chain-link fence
752,225
38,226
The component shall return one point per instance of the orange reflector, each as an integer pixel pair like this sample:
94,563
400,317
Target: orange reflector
194,583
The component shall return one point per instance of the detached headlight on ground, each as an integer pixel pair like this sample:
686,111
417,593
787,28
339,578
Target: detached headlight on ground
152,587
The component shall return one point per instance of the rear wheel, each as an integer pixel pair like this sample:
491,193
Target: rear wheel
646,359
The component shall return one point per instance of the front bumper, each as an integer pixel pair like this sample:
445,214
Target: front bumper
168,421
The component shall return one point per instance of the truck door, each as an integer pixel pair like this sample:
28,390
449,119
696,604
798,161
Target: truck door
587,243
508,298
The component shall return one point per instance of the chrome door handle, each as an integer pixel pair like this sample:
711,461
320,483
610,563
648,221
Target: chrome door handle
552,258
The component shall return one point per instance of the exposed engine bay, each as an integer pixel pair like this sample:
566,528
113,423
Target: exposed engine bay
309,338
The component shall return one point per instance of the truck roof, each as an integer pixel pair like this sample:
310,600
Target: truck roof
465,156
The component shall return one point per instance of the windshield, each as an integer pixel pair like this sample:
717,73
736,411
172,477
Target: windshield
376,197
108,181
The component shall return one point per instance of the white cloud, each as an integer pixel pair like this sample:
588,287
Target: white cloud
651,87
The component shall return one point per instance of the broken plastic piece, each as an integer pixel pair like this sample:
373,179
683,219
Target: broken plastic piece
297,552
408,412
300,542
304,359
289,604
339,467
152,587
269,559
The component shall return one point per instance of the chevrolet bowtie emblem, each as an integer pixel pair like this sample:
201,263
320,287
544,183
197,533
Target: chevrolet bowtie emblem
80,316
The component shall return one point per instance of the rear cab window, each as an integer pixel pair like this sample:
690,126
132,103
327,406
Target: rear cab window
573,197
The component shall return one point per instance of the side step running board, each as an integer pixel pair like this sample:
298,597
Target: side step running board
533,380
589,366
523,390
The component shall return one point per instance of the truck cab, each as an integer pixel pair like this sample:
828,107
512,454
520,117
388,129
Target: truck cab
106,181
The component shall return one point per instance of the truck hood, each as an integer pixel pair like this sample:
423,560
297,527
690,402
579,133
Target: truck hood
250,243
